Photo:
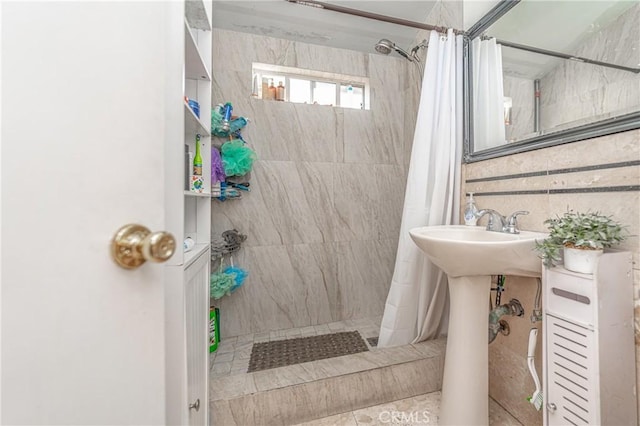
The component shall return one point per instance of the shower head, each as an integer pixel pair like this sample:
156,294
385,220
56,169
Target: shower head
385,47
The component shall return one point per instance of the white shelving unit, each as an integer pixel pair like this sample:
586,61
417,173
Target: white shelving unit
192,124
589,372
187,290
197,194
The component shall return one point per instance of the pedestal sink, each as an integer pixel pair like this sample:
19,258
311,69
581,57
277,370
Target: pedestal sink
469,255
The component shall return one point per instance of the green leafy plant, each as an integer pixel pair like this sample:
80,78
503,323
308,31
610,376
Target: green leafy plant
585,231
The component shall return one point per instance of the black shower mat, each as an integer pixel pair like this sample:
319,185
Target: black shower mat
304,349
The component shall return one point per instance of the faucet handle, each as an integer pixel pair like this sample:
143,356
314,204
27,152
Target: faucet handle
512,221
514,215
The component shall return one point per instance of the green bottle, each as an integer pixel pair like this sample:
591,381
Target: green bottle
197,160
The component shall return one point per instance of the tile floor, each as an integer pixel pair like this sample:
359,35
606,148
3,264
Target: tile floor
416,411
232,356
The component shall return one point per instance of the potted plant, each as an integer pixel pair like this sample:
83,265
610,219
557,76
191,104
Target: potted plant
582,236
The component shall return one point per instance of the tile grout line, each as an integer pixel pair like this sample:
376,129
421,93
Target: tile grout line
557,171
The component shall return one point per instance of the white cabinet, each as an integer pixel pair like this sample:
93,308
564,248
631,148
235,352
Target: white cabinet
197,309
589,350
187,290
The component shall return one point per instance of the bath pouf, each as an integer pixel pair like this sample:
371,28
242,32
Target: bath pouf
217,169
221,284
237,157
240,276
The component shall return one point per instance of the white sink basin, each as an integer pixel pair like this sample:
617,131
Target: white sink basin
461,250
470,255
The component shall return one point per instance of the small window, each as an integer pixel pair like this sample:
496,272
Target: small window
324,93
299,91
351,96
273,82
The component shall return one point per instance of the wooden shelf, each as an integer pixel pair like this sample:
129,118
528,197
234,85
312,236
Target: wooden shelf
192,124
197,194
194,66
196,15
196,251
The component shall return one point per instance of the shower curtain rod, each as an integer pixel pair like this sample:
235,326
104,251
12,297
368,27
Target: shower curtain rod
564,56
413,24
370,15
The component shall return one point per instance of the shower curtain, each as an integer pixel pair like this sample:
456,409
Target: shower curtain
416,307
488,94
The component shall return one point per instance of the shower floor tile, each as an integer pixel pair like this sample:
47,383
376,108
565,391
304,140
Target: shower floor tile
419,410
232,356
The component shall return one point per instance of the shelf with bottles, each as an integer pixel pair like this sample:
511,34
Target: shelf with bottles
271,92
192,124
196,171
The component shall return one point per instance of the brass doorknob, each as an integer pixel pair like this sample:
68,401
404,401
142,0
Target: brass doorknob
132,245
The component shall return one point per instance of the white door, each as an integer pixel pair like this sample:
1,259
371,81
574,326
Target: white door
84,113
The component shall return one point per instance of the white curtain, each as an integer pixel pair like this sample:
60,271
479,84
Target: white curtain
488,94
416,307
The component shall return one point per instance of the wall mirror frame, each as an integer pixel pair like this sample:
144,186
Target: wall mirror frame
620,123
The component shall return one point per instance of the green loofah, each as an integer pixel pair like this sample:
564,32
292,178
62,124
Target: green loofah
221,284
237,158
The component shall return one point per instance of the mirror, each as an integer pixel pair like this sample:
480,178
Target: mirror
544,73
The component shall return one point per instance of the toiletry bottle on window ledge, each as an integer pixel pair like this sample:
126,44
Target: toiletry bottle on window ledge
272,91
280,92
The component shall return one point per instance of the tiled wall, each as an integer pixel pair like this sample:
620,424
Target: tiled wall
576,91
324,210
565,169
521,92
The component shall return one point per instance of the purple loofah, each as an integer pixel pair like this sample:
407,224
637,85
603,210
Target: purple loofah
217,170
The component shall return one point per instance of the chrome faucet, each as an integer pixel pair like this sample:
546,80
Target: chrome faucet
498,223
493,224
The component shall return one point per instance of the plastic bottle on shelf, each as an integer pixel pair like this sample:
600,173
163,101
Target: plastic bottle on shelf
226,117
188,244
197,181
197,160
280,92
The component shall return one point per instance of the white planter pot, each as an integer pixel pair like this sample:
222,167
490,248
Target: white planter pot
583,261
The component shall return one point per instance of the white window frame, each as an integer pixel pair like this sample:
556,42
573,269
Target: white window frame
259,70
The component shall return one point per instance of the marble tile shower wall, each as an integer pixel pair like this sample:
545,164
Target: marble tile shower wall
574,91
324,210
510,382
521,91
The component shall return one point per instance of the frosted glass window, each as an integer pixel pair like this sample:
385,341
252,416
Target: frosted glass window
305,86
351,96
324,93
299,91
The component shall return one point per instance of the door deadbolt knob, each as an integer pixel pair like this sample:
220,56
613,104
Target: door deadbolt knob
133,244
